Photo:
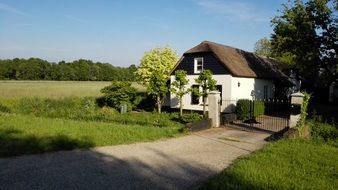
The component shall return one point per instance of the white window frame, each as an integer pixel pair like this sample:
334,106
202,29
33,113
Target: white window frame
195,64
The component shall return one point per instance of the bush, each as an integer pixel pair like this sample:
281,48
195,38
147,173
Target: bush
146,103
118,94
4,109
191,117
186,118
323,130
244,107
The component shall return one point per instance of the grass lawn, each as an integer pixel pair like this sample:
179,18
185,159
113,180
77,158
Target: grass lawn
53,89
26,134
285,164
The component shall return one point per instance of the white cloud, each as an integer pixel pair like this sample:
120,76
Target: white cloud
10,9
233,10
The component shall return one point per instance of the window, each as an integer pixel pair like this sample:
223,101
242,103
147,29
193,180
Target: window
198,65
194,99
265,92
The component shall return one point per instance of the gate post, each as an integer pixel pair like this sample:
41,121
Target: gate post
296,104
214,108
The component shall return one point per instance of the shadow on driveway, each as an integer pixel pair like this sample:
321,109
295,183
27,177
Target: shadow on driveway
180,163
94,170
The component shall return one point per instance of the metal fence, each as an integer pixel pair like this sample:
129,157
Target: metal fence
273,117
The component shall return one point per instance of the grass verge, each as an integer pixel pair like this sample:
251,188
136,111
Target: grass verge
26,134
286,164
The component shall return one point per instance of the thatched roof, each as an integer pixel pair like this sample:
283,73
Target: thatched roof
241,63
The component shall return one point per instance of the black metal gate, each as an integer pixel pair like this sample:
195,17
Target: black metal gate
263,115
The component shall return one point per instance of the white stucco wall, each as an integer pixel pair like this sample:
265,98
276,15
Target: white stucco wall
224,80
231,92
243,91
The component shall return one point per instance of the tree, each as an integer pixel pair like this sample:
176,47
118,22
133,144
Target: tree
38,69
157,87
306,35
207,84
178,87
154,70
263,47
157,60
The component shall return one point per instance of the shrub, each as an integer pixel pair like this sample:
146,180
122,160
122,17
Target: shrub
302,129
186,117
259,108
323,130
191,117
244,107
117,94
108,111
4,109
146,103
303,111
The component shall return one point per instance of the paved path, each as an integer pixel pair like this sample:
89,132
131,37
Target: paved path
179,163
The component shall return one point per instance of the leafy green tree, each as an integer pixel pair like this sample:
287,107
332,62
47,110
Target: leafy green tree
207,83
179,88
263,47
33,69
117,94
38,69
154,70
157,60
157,86
6,69
306,35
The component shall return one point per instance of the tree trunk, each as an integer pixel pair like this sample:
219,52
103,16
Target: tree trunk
181,107
158,104
204,101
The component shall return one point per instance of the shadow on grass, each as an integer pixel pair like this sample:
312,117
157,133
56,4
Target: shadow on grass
230,180
13,143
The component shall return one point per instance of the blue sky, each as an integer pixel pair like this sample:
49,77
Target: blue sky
119,31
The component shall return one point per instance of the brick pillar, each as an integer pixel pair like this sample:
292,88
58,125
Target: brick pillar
296,105
214,108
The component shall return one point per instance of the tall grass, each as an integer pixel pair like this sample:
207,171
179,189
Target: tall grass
82,109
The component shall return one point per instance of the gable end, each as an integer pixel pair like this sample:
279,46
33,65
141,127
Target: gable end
210,62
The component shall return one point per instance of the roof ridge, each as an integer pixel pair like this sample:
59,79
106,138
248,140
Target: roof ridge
223,45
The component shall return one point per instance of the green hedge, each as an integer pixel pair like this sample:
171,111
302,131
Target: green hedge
244,107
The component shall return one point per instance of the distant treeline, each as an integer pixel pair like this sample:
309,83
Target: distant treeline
79,70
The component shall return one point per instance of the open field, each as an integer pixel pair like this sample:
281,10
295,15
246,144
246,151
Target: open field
53,89
285,164
26,134
44,116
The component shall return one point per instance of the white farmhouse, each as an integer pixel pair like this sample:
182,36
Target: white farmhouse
239,75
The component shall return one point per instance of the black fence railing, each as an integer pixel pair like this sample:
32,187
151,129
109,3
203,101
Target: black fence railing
267,115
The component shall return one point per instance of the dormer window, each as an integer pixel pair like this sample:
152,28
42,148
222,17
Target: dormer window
198,65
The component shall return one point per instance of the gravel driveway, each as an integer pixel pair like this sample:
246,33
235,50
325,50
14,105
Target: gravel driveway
178,163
